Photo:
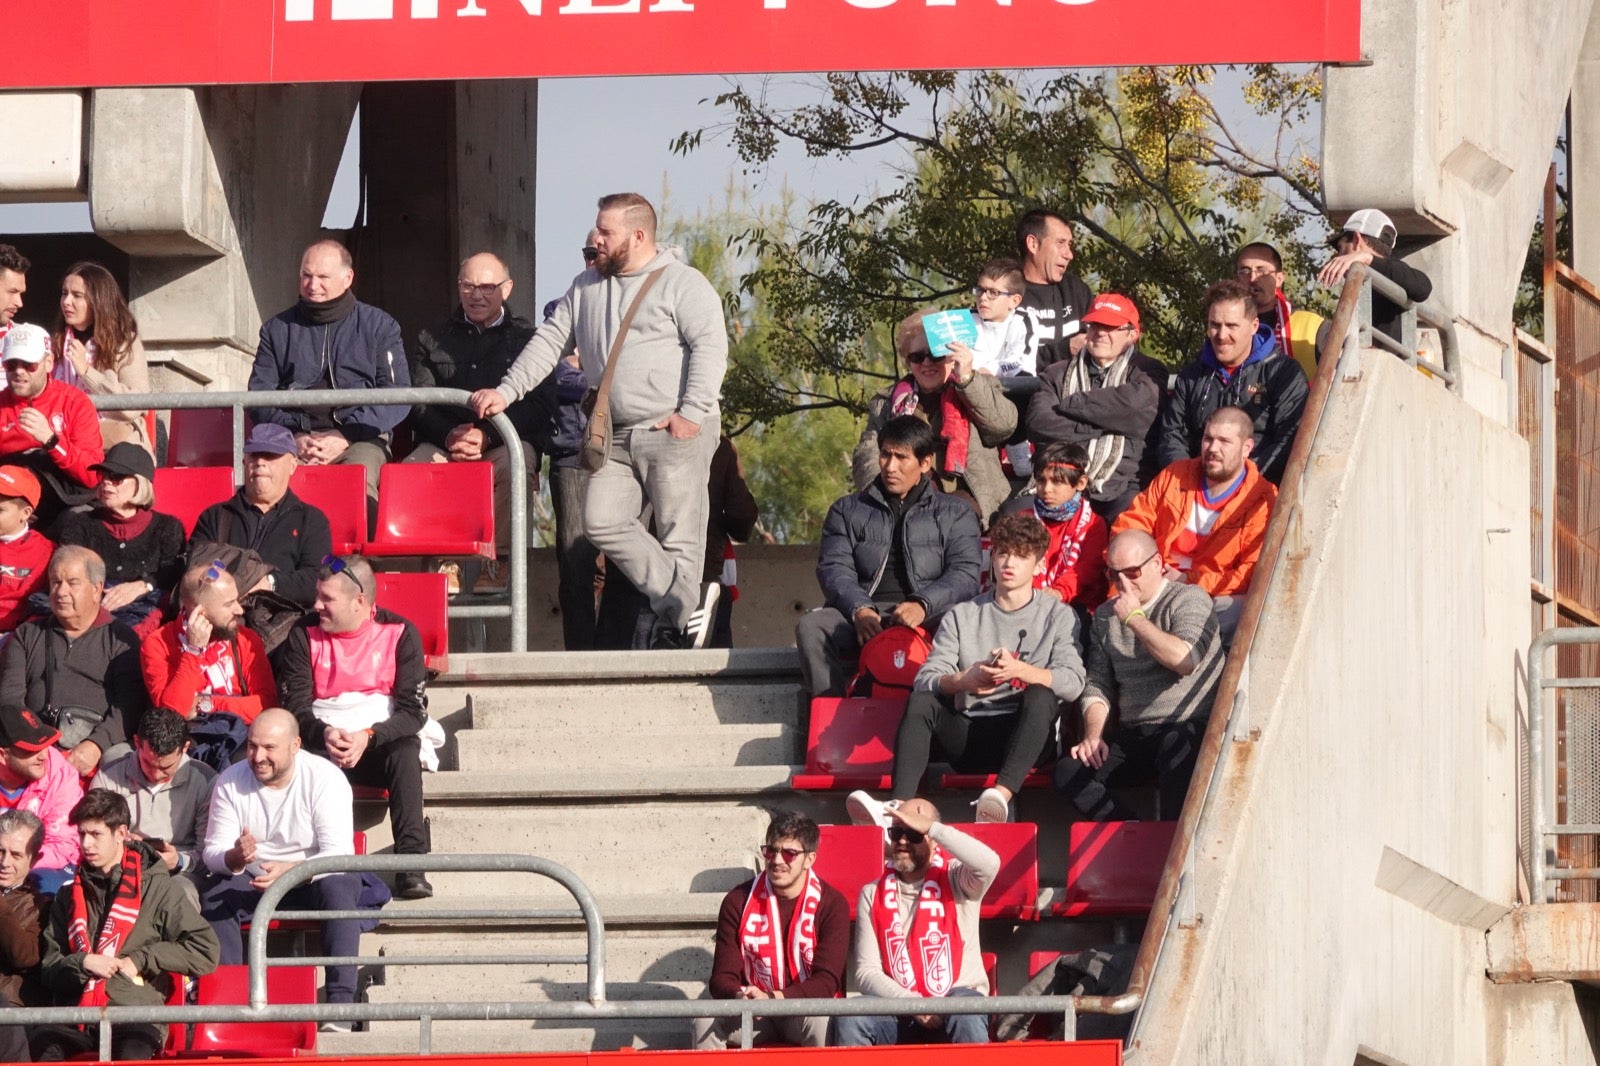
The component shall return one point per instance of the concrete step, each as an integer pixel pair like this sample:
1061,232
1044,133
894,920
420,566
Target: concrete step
474,669
509,1038
622,706
659,782
579,748
618,910
632,957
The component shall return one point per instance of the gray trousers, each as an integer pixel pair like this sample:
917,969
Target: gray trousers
649,465
826,641
575,557
717,1034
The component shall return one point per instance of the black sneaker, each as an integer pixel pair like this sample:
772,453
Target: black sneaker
669,639
412,885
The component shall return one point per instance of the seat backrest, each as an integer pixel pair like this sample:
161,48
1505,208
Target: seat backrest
421,599
231,985
410,496
853,735
1114,868
340,493
848,856
202,437
1015,890
184,492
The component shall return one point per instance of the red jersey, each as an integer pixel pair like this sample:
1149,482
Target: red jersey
71,415
22,572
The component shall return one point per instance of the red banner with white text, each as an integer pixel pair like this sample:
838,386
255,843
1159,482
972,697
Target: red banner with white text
98,43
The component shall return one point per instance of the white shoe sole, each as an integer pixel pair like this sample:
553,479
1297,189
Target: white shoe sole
704,618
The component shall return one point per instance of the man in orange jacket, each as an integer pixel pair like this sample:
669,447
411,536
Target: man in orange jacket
1209,514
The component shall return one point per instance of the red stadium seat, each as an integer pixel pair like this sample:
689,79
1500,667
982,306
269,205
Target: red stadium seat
424,601
1114,868
850,743
340,492
231,985
849,856
434,509
978,782
202,437
1038,960
184,492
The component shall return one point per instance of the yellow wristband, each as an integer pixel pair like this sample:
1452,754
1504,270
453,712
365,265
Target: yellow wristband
1137,612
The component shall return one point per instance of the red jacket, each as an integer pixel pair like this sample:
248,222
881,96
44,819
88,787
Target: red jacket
1084,583
173,675
73,418
22,566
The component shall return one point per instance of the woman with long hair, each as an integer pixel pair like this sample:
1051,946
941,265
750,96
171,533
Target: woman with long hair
97,349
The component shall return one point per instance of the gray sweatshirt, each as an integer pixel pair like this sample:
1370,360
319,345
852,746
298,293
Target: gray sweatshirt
673,359
1042,633
1141,690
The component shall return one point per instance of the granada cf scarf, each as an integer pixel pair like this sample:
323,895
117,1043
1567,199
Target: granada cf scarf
761,935
926,958
1071,539
120,916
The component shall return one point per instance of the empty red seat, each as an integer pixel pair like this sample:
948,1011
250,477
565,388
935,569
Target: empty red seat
231,985
184,492
202,437
340,493
849,856
1114,868
434,509
424,601
850,743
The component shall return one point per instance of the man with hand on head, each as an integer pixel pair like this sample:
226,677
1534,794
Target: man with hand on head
207,660
1155,659
917,926
783,935
278,807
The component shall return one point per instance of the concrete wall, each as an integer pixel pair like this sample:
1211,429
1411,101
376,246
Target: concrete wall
1355,853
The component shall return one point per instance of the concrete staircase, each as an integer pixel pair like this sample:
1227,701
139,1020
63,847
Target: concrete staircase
649,775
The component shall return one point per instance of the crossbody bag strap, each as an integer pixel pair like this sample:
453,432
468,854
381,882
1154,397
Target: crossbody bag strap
602,397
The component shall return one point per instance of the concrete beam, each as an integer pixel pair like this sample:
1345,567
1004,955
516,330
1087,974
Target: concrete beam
43,135
1548,942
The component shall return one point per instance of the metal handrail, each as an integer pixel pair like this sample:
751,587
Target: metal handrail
1406,348
1541,774
517,610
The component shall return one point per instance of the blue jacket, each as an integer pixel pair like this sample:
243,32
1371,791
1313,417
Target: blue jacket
940,543
556,421
362,350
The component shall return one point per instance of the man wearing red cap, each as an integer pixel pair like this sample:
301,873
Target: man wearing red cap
35,777
24,552
1106,398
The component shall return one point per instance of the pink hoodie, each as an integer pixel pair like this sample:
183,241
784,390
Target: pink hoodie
52,798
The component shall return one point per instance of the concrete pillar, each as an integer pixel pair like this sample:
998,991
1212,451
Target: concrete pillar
449,170
213,192
1584,175
43,135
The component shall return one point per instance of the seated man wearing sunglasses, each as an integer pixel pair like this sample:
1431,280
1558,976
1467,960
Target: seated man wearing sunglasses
1155,659
782,935
910,941
356,681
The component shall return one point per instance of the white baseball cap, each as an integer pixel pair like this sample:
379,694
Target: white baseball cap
25,343
1370,222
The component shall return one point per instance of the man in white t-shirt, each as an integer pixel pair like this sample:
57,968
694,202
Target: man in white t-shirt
279,807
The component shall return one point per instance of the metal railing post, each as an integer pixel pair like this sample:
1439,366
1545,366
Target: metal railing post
1540,772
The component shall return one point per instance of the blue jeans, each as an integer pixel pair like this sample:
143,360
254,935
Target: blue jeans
868,1030
649,465
230,901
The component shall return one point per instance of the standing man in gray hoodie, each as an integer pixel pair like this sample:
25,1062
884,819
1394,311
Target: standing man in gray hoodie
664,410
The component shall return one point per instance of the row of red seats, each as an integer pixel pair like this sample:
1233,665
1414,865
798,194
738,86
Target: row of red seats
1113,868
410,518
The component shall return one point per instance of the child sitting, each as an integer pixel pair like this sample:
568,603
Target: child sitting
1075,565
24,552
1002,345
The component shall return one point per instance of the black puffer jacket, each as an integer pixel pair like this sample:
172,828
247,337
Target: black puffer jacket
455,354
1128,410
1272,390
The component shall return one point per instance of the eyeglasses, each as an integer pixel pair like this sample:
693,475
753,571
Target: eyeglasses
14,364
898,833
590,253
1101,327
335,565
913,358
1131,572
768,852
1252,273
994,294
467,288
214,572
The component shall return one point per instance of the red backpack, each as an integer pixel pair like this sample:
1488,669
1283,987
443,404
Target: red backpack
890,661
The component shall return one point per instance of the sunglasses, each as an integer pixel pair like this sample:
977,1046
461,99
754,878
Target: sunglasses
214,572
910,836
768,852
913,358
335,565
1130,572
590,253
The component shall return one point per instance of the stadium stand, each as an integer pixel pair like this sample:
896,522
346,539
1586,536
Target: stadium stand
422,600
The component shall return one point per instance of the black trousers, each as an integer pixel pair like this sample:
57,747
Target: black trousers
1008,745
1169,750
397,766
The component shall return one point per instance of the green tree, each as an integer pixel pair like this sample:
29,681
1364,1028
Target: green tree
1161,186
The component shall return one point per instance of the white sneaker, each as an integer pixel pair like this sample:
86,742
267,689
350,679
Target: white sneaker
334,1027
992,806
703,618
864,810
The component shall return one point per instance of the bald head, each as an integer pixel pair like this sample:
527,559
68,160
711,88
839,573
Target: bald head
921,808
273,744
1128,547
326,272
484,283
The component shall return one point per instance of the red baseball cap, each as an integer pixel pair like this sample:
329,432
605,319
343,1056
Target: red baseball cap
21,483
1112,309
22,729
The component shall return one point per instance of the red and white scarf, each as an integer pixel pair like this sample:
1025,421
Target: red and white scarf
955,421
118,924
767,965
927,958
1281,330
1070,545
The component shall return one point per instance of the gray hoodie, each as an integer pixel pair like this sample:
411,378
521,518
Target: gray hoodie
673,359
